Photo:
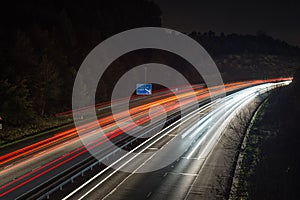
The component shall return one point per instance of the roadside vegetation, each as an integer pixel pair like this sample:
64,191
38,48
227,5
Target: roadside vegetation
44,43
46,125
42,46
270,162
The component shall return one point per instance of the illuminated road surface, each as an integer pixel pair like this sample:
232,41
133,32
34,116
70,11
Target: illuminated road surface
174,181
61,152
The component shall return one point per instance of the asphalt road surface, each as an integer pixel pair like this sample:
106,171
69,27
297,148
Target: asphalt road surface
181,148
178,179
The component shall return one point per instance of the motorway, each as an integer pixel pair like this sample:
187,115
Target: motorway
32,171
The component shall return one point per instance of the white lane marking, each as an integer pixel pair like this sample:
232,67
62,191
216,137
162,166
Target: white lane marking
196,147
192,158
153,148
182,173
149,194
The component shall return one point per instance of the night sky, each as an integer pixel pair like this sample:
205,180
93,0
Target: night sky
279,19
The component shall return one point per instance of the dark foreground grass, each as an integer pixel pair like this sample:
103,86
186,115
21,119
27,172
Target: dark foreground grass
270,167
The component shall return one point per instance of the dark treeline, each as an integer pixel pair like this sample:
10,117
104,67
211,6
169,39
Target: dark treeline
44,42
261,43
244,57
